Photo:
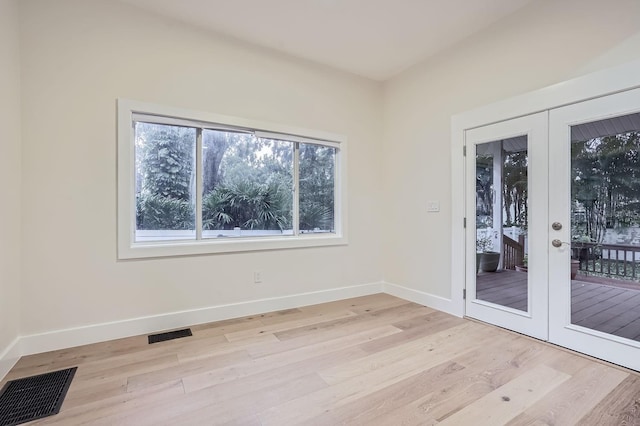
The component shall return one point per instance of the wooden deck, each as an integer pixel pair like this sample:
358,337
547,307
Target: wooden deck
506,288
603,307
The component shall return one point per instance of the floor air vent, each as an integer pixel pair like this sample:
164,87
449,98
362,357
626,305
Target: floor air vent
170,335
34,397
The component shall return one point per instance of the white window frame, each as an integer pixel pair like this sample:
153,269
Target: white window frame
128,248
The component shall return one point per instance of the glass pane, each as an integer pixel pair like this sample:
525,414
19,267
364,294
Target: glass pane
501,222
317,179
605,225
165,182
247,185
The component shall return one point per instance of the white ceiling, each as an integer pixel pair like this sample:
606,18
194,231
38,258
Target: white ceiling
372,38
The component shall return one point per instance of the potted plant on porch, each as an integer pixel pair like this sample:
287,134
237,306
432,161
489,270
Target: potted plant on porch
575,265
486,260
580,247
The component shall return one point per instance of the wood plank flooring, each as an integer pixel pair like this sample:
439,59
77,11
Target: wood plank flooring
610,309
374,360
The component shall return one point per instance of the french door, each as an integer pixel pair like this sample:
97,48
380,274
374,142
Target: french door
506,173
594,171
556,195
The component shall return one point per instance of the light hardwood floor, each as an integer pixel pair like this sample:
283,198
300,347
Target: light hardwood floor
374,360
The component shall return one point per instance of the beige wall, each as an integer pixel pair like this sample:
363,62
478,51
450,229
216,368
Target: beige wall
9,174
78,57
546,42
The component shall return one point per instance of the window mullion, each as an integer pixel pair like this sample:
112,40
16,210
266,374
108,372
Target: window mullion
199,178
296,188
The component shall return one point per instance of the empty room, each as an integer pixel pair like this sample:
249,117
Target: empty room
320,212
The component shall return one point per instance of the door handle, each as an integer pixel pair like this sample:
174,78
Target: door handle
558,243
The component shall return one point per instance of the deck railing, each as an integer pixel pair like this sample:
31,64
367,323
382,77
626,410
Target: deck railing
609,260
512,252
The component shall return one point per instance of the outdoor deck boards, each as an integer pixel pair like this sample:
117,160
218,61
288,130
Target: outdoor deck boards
506,288
599,306
602,307
630,331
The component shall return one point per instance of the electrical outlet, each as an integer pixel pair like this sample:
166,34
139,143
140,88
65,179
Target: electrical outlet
257,277
433,206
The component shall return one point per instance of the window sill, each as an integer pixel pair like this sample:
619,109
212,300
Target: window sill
231,245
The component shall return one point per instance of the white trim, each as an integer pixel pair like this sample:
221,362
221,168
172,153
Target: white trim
10,356
230,245
70,337
150,109
340,199
296,138
127,248
430,300
601,345
172,121
458,216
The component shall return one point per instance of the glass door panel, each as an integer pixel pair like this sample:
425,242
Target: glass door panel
501,222
595,261
605,225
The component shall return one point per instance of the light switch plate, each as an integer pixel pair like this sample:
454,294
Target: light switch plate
433,206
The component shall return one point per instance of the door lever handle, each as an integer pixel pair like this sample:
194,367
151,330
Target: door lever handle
558,243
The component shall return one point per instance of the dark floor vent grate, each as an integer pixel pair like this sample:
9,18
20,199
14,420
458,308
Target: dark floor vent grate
35,397
170,335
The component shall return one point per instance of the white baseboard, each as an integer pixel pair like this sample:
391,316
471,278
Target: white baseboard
449,306
67,338
10,356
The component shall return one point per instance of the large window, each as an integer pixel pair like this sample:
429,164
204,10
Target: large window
192,183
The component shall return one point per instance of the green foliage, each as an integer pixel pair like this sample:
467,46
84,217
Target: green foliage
316,216
317,171
484,191
165,160
248,205
247,181
254,187
515,188
156,212
164,178
483,244
605,184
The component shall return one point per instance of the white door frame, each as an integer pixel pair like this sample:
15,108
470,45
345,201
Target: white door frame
593,85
